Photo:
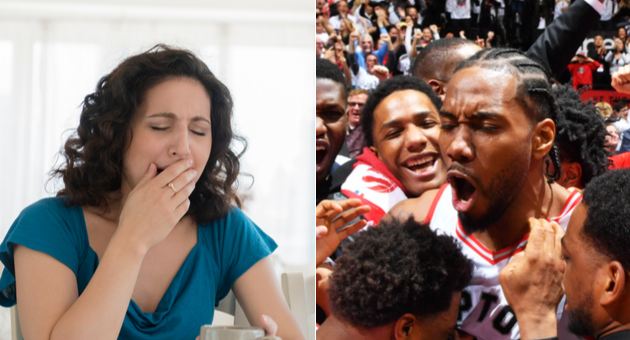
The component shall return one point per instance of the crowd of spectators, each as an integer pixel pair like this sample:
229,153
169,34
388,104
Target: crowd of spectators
405,27
394,31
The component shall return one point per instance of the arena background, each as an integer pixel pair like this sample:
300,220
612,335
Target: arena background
598,94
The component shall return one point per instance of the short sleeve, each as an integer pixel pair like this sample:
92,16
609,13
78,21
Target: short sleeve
47,226
241,244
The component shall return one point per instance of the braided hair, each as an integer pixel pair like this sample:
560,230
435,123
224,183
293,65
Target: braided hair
533,92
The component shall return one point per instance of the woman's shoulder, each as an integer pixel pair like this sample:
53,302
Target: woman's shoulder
235,216
235,225
50,207
50,213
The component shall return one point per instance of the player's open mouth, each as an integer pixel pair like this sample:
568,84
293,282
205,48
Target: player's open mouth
321,150
424,164
464,192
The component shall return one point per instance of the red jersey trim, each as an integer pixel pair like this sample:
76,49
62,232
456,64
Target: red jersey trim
492,261
436,199
569,205
493,257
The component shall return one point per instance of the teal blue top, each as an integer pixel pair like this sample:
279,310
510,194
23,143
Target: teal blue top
225,250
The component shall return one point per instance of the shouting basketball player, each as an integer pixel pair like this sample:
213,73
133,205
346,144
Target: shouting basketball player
497,126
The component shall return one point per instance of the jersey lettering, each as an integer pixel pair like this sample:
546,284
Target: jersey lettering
465,304
489,299
498,321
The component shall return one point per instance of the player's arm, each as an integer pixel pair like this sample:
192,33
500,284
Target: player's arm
416,207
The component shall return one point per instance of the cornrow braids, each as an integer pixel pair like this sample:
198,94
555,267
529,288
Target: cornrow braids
534,90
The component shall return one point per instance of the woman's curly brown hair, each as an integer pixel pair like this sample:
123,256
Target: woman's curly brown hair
94,154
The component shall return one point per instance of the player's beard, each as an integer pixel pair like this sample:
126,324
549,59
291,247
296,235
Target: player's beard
500,193
580,320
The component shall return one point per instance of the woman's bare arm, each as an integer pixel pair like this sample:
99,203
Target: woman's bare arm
259,292
48,300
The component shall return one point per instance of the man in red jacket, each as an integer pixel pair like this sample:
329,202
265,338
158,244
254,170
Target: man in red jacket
582,68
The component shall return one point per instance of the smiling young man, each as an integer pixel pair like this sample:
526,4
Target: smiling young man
400,123
593,271
497,127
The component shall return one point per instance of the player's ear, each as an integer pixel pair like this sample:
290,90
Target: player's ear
375,150
405,326
614,285
436,85
571,175
542,137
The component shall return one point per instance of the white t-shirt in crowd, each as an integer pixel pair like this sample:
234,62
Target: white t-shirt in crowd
610,7
324,36
460,9
335,20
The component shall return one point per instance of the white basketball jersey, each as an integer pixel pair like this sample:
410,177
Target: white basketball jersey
483,311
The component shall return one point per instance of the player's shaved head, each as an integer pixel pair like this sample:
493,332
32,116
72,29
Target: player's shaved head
439,58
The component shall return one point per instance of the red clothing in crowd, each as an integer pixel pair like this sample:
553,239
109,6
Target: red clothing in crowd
620,161
583,73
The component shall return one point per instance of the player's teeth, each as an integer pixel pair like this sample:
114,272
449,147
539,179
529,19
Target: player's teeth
421,162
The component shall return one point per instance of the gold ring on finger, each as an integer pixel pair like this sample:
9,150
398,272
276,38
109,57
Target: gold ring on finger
170,185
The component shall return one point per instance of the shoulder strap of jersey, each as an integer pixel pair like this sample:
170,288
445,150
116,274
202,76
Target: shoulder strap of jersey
436,199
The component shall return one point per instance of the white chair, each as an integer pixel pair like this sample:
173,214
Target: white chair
309,286
16,331
301,305
229,305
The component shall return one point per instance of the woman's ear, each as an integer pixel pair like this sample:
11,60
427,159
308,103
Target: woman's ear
543,137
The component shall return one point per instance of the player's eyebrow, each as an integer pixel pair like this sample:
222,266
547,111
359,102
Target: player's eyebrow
446,114
485,115
418,115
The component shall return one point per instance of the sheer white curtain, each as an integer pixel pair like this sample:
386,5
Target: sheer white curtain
52,55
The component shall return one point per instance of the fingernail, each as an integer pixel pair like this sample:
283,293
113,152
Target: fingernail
194,172
266,318
190,162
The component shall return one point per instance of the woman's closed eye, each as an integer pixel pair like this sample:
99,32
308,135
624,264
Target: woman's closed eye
159,128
